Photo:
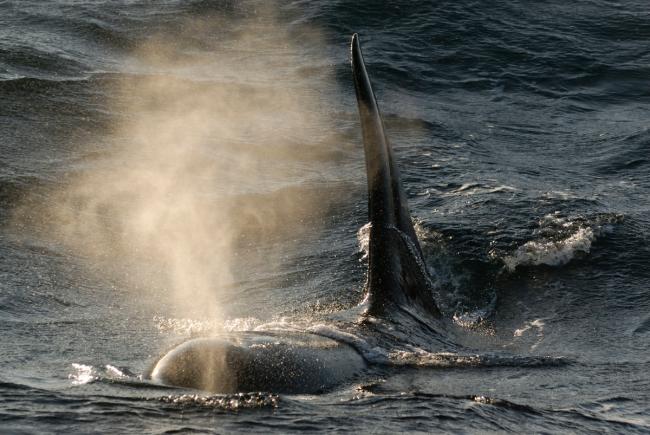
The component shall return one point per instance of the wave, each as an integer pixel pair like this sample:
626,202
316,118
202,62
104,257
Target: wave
83,374
643,327
460,360
228,402
28,83
30,61
469,189
551,252
560,240
498,415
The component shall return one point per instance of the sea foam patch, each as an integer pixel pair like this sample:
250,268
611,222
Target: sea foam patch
560,239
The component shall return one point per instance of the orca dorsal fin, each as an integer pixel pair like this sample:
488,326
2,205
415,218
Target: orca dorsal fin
397,275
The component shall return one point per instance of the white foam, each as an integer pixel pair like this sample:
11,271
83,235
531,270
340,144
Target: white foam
185,326
421,358
241,324
230,402
560,194
537,325
551,252
193,327
281,324
114,372
83,374
472,318
469,189
363,239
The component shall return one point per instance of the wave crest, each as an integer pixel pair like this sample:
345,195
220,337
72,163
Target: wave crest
559,240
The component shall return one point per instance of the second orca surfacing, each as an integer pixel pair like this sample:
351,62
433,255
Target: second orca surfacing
305,362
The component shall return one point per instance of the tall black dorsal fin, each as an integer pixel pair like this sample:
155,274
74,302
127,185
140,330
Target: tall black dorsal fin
396,271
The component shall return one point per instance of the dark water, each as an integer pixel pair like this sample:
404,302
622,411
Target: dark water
521,129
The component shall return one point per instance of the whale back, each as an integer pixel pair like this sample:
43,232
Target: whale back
397,274
279,362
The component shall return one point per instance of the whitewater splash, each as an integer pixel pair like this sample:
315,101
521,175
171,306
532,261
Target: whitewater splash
551,252
560,240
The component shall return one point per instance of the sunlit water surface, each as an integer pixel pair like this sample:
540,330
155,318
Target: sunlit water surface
183,168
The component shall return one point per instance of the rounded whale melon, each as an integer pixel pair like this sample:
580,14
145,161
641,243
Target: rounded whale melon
272,362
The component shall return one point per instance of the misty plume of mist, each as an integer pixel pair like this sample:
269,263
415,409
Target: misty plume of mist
206,141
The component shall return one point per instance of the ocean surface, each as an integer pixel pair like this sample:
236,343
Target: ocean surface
179,168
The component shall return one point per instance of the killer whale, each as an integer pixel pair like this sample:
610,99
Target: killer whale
306,362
